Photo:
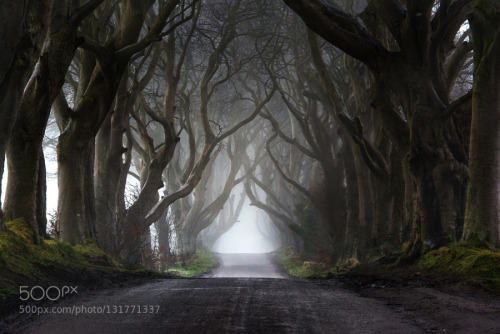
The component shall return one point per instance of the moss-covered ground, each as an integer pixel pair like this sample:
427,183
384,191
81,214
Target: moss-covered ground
299,267
461,263
199,265
479,267
54,263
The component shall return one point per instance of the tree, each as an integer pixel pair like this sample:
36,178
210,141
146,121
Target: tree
157,157
225,221
420,69
208,200
21,21
221,66
100,83
482,218
24,151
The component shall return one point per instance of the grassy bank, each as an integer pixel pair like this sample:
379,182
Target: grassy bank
199,265
456,264
299,267
459,263
478,267
54,263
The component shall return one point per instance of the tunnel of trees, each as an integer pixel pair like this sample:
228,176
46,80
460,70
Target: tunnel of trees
354,125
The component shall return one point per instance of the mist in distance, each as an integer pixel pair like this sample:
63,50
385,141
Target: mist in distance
246,235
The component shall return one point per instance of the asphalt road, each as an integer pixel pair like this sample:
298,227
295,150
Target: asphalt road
246,265
226,305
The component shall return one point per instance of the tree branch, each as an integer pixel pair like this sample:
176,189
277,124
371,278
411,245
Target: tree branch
155,33
280,171
83,11
339,28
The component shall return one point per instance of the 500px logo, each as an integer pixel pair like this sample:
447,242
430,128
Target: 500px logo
51,293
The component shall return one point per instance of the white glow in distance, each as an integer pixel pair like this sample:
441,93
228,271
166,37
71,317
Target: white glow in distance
244,236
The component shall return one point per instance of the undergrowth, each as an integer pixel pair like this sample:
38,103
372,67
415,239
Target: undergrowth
458,263
299,267
202,262
23,262
53,263
475,266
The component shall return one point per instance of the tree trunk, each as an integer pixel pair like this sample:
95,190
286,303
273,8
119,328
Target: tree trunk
164,230
380,187
10,98
40,92
482,218
134,223
352,203
363,231
110,173
90,228
90,112
104,183
72,162
437,176
21,21
397,220
437,160
41,196
20,199
186,246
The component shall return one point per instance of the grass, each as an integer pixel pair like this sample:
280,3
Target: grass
53,263
199,265
458,263
23,262
455,264
298,267
475,266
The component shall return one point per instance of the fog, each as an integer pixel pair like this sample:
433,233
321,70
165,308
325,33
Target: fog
245,236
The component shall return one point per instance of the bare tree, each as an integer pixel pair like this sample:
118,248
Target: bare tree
24,152
482,218
21,21
415,71
100,82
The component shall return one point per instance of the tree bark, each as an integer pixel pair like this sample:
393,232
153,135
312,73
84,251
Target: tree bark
40,92
437,161
10,99
380,187
41,196
111,171
352,203
90,228
482,220
12,16
94,106
133,224
21,33
72,163
164,229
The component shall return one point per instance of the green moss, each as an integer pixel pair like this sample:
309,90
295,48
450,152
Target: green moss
20,228
199,265
22,262
296,266
477,266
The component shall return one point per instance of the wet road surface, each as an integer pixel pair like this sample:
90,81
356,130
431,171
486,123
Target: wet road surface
227,305
247,265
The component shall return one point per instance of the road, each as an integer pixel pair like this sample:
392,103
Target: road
246,265
237,305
